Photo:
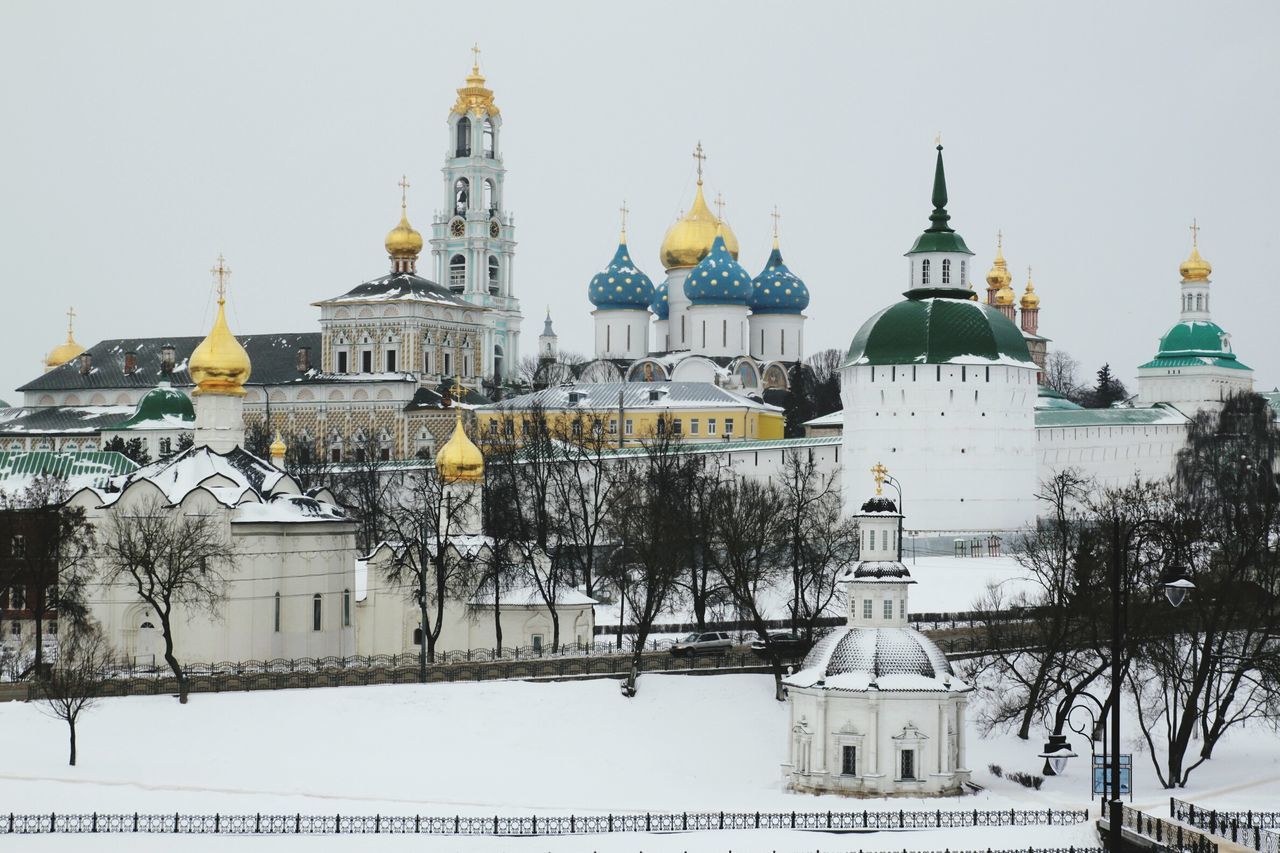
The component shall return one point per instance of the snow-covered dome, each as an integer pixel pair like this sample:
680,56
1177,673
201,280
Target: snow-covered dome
862,659
718,279
777,290
621,284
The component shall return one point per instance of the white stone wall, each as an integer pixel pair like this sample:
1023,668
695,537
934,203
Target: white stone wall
680,335
960,439
621,333
1191,389
777,337
1110,455
718,330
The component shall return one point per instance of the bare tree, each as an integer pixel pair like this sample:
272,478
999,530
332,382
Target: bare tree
825,365
1062,374
170,558
586,486
74,685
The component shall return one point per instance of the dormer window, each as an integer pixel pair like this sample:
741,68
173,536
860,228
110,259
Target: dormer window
946,270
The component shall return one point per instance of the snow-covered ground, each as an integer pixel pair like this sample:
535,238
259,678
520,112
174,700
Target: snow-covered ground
685,743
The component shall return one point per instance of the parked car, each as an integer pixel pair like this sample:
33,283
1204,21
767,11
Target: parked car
703,643
787,644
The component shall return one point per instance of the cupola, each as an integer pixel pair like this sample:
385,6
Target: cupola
718,279
621,284
777,290
65,351
659,305
459,460
220,365
1195,268
689,240
403,242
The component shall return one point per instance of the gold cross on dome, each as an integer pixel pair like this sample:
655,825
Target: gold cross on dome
404,191
880,474
776,216
999,241
1195,234
71,318
475,54
719,206
699,156
221,272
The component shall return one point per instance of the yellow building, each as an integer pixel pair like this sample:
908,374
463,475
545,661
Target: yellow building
629,412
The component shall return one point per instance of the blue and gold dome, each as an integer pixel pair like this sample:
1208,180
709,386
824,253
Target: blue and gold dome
659,306
718,279
621,285
777,290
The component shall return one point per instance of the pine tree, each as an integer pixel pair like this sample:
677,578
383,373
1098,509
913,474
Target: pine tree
1107,391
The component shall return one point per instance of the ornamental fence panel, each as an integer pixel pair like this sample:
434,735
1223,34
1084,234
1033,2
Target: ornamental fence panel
1253,829
527,825
1173,836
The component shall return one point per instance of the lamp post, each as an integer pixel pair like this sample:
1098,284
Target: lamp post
897,487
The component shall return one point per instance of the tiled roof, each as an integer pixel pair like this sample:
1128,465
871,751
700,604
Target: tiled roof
1157,415
635,395
89,468
61,420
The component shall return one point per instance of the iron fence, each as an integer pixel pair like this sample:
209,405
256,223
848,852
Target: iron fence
1172,836
1248,828
337,824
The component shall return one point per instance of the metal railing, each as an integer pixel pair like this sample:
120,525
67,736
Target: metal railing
337,824
1248,828
1172,836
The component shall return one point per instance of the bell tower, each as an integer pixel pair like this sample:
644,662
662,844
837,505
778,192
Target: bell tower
473,236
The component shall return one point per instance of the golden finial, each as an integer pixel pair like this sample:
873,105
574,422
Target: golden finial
624,211
459,459
64,352
221,272
404,194
278,448
699,156
776,216
879,473
475,57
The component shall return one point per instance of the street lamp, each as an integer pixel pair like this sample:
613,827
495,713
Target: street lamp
1055,755
897,487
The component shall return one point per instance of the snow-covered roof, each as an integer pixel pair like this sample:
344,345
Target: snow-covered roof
92,469
831,419
401,287
634,395
876,571
61,420
529,596
864,659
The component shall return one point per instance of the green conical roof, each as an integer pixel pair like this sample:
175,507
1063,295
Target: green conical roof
159,408
939,236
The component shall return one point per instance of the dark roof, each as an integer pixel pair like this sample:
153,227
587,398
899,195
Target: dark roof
61,420
938,326
274,358
401,285
425,398
84,468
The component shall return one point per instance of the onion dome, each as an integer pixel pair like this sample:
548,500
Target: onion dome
777,290
659,305
718,279
278,447
1005,295
403,242
65,351
1195,268
163,407
689,240
1030,299
860,659
999,276
1191,343
621,285
219,365
459,460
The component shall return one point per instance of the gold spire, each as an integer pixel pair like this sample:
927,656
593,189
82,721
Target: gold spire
689,239
475,98
68,350
459,460
403,242
1030,299
219,365
879,473
998,277
1195,268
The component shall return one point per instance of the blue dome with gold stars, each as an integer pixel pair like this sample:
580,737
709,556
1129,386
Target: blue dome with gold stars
621,285
777,290
659,305
718,279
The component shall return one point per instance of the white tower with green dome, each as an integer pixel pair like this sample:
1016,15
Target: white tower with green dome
942,390
473,236
1194,369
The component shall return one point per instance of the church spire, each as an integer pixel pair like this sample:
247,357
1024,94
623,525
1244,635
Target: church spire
939,218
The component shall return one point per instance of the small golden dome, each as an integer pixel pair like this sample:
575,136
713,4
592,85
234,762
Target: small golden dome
403,241
278,447
66,351
689,239
1005,295
1030,299
219,364
998,277
459,460
1195,268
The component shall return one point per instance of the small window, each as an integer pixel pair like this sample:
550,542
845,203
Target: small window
315,612
577,429
385,454
366,361
728,426
884,540
342,362
888,608
849,760
536,641
613,426
946,270
457,273
335,454
166,446
628,427
866,608
277,613
346,608
448,364
908,764
493,276
426,362
677,426
694,426
964,272
464,138
493,427
661,425
924,271
902,608
417,636
711,426
391,361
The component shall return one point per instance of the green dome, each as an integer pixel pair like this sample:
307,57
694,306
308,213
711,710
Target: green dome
161,407
1194,342
939,326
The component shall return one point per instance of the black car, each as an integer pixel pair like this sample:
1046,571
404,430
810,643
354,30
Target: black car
785,643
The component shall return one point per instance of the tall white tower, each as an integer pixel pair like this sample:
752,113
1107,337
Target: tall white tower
473,237
548,341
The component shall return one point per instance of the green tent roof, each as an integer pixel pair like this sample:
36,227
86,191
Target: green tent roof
83,468
161,407
939,326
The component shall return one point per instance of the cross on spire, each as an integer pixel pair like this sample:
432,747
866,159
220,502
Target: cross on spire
71,317
879,473
475,56
403,183
776,216
999,241
699,156
1195,235
719,206
221,272
624,210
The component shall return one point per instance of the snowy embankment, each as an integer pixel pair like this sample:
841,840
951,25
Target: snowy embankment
685,743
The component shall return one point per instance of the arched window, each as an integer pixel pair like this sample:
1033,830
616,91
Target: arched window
457,273
924,271
493,275
488,138
346,608
461,196
315,612
490,198
1199,302
497,362
946,270
964,272
464,137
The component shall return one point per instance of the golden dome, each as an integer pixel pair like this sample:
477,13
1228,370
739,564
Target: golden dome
403,241
998,277
219,364
1195,268
1005,295
1030,299
459,460
689,239
64,352
278,447
475,97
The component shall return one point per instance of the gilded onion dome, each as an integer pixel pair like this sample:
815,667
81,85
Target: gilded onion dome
777,290
65,351
219,365
1030,299
718,279
998,276
1195,268
1005,295
621,285
278,447
659,306
403,242
689,240
459,460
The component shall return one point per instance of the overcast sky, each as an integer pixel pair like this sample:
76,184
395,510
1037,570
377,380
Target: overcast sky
139,140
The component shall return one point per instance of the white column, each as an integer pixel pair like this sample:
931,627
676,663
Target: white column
961,762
